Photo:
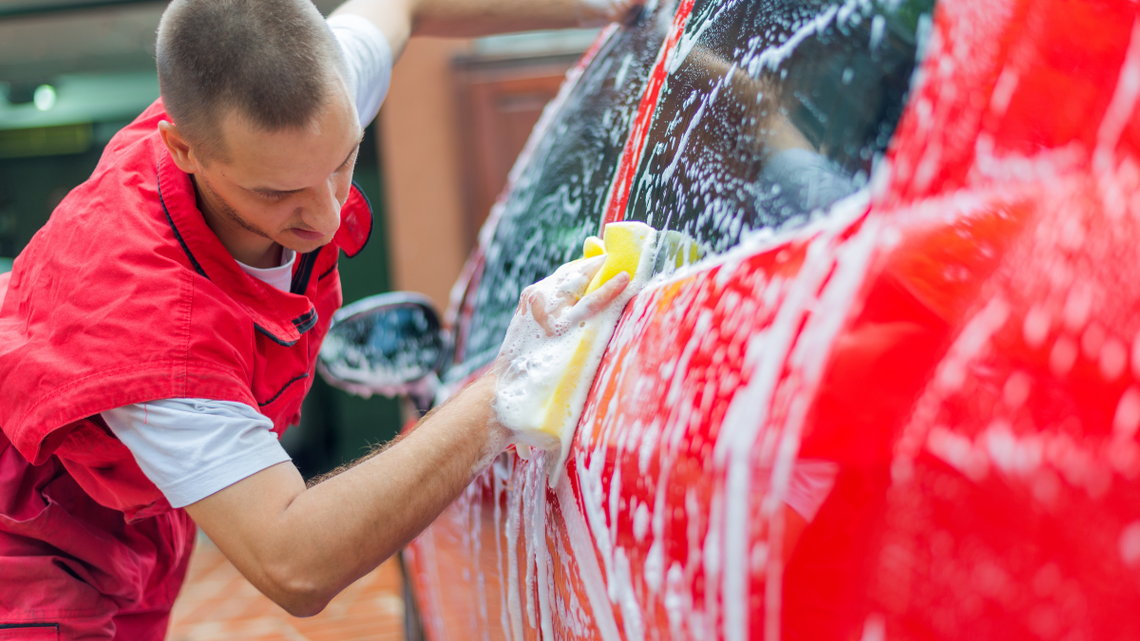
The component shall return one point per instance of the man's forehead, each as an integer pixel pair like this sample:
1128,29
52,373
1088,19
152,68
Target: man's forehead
337,108
291,158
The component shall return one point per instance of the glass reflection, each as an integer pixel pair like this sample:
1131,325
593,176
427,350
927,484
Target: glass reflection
387,346
774,110
558,199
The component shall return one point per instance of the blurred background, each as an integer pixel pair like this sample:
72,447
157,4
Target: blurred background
74,72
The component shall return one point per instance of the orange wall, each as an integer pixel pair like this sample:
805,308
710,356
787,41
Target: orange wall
419,150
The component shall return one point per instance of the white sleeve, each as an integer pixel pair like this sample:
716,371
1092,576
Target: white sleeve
369,60
191,448
811,482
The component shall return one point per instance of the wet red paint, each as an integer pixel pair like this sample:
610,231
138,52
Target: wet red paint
981,394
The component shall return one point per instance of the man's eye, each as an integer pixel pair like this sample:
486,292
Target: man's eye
274,195
350,161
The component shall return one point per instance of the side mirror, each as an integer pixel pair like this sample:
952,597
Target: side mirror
390,344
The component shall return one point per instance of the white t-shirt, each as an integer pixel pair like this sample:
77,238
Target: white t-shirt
280,277
369,61
191,448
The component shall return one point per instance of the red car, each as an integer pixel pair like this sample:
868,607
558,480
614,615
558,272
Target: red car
897,396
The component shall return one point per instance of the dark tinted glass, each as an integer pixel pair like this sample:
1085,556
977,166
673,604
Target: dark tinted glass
774,109
558,198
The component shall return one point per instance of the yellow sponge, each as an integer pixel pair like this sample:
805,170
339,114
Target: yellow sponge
540,396
678,250
593,247
559,410
624,243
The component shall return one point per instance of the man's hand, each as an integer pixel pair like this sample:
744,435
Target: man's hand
550,355
559,300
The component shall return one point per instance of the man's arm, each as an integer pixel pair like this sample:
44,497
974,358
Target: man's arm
301,547
398,20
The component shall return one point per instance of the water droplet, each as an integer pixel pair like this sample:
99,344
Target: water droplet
1047,580
1130,544
1113,359
1016,389
1136,356
1036,327
875,627
1127,418
1078,306
1063,356
1092,340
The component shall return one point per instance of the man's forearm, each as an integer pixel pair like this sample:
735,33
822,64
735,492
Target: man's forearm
333,533
374,509
467,18
400,19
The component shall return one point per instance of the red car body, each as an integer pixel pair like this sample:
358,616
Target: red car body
960,338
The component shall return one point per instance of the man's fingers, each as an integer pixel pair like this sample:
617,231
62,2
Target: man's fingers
597,300
538,310
586,268
572,279
548,300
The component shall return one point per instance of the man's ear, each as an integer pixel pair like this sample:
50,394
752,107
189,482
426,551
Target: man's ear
184,157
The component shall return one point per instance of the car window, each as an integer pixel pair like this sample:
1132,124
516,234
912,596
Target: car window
558,198
773,110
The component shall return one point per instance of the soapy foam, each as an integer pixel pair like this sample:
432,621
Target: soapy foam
582,545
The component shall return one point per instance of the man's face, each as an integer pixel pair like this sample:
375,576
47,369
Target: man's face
284,187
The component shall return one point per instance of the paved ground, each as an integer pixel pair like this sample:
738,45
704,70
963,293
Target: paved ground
218,603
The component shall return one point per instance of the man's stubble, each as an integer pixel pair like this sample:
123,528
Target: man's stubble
229,211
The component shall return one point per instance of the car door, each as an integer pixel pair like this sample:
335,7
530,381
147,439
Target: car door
675,120
894,398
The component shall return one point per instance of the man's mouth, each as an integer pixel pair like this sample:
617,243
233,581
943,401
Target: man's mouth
305,234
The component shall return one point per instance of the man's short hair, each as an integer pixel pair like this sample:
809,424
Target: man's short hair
268,61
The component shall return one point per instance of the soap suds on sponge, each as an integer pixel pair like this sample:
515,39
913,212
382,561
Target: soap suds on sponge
547,364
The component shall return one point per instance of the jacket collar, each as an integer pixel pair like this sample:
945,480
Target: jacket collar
282,316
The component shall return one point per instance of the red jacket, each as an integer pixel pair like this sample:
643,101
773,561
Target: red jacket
126,296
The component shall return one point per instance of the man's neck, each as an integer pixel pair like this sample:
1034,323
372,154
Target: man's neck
245,246
270,258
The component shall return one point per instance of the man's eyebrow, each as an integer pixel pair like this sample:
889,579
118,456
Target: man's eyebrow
354,150
286,192
271,191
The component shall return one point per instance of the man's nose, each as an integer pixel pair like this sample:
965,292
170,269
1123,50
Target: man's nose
325,213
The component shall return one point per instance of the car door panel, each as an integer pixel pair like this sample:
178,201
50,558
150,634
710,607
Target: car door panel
958,338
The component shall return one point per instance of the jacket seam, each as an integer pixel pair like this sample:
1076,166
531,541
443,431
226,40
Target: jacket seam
300,282
273,337
174,228
189,326
282,390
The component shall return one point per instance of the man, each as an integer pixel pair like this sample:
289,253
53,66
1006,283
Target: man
160,332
